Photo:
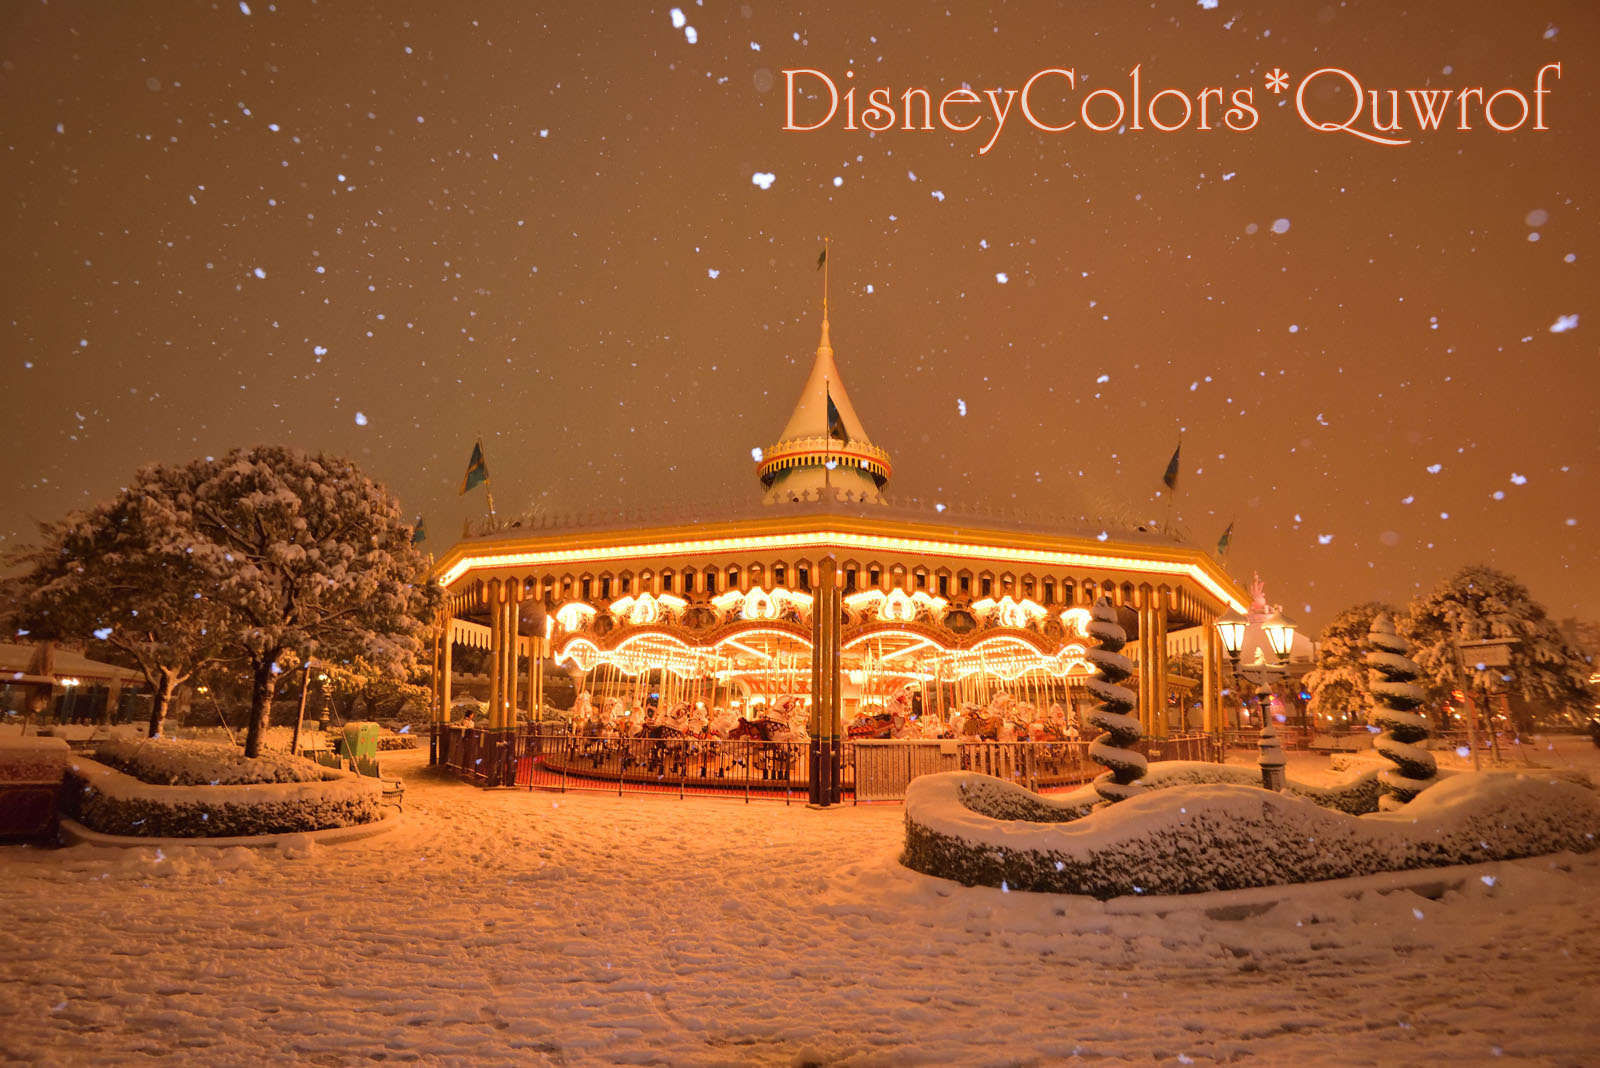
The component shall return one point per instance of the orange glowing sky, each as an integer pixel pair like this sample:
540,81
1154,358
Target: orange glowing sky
382,229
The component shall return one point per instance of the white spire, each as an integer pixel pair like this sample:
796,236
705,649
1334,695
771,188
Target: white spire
808,461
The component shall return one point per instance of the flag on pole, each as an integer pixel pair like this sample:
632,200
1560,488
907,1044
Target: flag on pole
822,257
1224,541
835,420
1171,477
477,469
419,533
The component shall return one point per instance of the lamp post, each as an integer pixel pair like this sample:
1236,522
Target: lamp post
1230,629
1280,635
1271,761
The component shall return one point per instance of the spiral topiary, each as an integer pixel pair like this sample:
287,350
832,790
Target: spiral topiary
1114,747
1391,676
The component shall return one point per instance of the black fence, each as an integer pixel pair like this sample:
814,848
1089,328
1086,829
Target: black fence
756,770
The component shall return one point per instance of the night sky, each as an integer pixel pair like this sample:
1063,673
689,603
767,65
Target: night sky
382,229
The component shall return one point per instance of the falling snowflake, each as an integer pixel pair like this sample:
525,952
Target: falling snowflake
1324,539
1280,226
1564,323
961,406
1001,277
763,179
678,21
361,419
712,271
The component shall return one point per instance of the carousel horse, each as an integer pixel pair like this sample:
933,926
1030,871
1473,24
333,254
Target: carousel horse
995,723
901,725
723,721
583,707
870,727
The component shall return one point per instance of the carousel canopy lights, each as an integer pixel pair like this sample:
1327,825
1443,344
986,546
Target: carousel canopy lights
840,541
1010,613
574,615
896,606
647,608
1077,620
759,604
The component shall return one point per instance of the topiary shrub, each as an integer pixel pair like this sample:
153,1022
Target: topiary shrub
1392,678
1114,747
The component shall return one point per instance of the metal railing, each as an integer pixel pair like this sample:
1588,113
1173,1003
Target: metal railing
756,770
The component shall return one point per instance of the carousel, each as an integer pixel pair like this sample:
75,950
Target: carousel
829,611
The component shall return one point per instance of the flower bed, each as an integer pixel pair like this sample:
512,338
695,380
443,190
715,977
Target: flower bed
107,800
1195,839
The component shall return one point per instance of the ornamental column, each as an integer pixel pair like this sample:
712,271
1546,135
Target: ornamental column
1209,689
496,647
1147,670
827,741
1161,686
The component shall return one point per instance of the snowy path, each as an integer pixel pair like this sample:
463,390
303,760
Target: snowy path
546,929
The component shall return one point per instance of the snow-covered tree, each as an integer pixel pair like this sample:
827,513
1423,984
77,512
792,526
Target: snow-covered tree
1392,680
1485,603
1114,747
1338,680
117,579
303,551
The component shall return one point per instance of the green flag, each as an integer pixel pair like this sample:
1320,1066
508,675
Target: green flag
1171,477
419,533
1224,541
822,257
477,469
835,420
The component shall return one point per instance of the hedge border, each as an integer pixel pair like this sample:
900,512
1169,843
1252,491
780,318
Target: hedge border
111,802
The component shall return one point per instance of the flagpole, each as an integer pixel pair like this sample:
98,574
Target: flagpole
824,279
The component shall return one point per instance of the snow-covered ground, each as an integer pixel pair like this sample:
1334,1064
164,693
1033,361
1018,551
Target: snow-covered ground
498,928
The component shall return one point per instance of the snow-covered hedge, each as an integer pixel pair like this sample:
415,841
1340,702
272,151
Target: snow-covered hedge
172,762
1355,793
390,742
1196,839
107,800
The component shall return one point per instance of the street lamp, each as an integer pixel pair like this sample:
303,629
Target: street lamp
1280,634
1230,628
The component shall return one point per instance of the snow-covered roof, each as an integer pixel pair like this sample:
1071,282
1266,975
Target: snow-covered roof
37,663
